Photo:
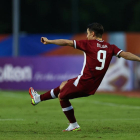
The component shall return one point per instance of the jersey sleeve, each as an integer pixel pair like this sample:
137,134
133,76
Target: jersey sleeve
81,45
116,51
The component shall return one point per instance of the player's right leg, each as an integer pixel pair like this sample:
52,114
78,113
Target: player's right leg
69,113
69,91
51,94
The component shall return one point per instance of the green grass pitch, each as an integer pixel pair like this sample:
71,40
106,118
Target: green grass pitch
101,117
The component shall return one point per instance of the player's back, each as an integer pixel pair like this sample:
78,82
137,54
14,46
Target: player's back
97,57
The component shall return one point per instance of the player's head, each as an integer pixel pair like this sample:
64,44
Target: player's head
94,30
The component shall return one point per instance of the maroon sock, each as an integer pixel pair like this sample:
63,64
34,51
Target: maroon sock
68,110
51,94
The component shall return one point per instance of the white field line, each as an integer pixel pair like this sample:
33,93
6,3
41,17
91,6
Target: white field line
11,119
15,95
116,105
12,94
108,104
120,119
7,92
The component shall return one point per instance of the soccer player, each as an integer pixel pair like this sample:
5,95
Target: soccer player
97,57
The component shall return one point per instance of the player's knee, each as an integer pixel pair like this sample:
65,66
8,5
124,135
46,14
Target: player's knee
62,84
59,97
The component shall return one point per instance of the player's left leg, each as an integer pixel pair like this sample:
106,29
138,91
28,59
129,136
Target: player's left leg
51,94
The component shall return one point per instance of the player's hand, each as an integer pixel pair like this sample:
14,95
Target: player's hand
44,40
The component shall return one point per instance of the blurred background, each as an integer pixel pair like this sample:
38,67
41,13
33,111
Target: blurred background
25,62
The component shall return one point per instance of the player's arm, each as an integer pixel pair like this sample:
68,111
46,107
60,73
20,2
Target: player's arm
129,56
60,42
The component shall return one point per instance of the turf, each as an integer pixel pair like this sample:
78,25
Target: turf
101,117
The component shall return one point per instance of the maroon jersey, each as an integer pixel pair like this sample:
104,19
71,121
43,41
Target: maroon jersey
97,57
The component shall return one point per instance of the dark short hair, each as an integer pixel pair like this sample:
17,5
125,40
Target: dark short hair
97,28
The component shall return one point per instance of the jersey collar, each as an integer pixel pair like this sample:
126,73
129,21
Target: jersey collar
100,40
